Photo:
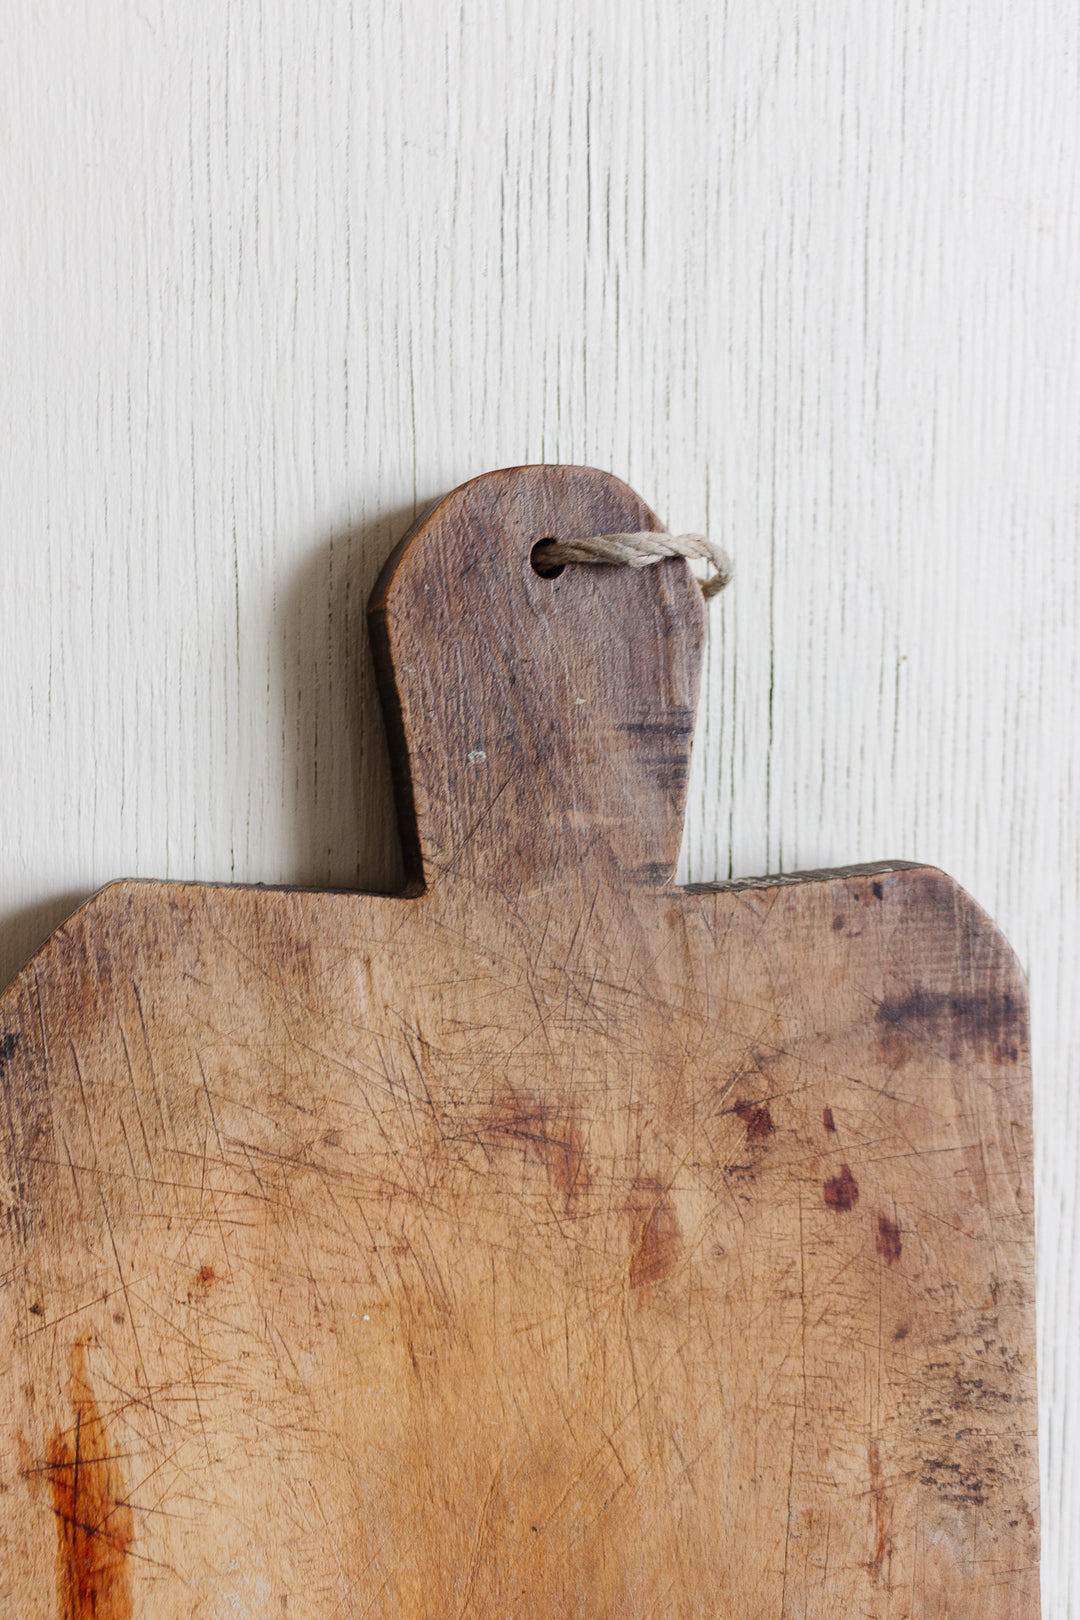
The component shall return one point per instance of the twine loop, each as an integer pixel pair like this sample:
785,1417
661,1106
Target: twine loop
637,551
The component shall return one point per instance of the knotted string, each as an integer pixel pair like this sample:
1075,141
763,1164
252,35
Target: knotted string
637,551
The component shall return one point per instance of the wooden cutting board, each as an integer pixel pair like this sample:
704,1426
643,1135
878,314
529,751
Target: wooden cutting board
545,1241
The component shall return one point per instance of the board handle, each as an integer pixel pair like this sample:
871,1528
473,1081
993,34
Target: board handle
540,727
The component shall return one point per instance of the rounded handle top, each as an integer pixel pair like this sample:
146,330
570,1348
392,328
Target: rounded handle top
540,723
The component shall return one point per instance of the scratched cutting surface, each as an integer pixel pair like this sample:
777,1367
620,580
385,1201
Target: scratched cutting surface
546,1240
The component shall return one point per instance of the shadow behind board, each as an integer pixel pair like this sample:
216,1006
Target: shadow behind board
332,766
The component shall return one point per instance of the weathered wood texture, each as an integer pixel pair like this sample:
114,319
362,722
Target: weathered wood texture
804,272
550,1240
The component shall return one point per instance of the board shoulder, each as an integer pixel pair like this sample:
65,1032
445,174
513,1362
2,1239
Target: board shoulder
921,897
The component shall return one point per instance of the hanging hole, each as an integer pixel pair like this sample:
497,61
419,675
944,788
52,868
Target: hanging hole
546,570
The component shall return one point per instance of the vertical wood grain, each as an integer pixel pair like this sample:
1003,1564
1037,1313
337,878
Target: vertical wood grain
272,278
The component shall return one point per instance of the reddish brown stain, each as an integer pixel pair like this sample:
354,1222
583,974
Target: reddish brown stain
827,1119
656,1236
888,1242
94,1524
842,1191
883,1514
205,1276
757,1119
549,1135
29,1467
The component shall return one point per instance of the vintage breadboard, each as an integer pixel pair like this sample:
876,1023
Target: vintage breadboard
546,1241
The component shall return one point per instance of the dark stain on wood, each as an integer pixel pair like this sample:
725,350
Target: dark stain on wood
677,723
757,1119
976,1395
656,1241
94,1523
842,1191
26,1127
888,1242
827,1119
924,1022
953,1482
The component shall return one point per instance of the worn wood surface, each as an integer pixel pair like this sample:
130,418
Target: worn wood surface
273,277
547,1240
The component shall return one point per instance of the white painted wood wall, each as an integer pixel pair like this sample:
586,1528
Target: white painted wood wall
803,271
